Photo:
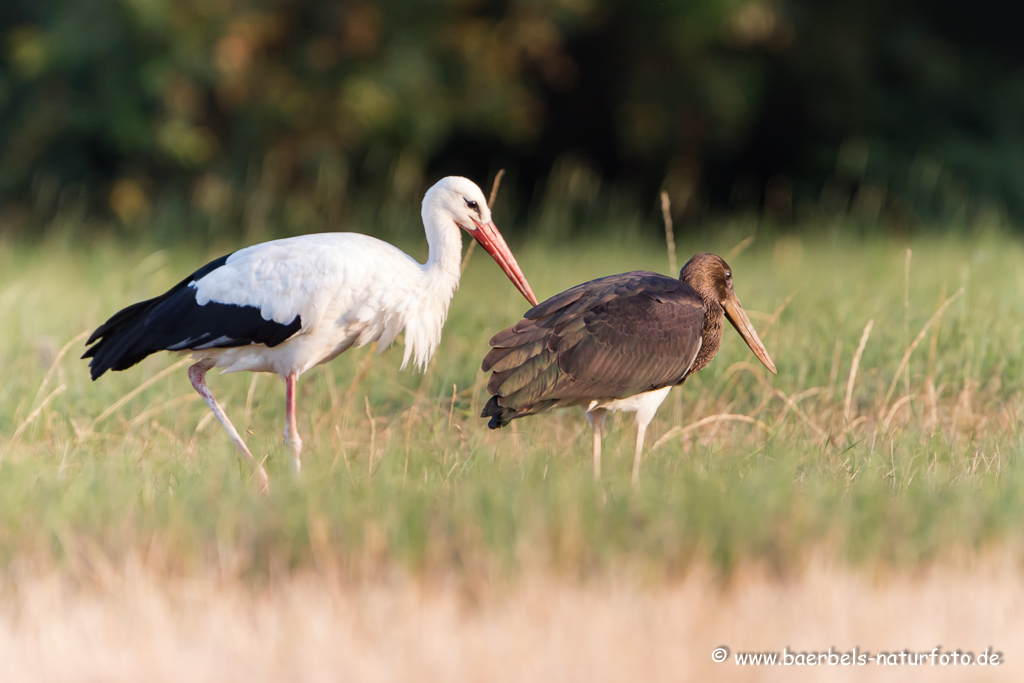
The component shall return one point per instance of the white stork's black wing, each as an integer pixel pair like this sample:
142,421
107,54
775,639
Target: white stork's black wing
609,338
175,321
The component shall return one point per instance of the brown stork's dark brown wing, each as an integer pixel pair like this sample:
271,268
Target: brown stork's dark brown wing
609,338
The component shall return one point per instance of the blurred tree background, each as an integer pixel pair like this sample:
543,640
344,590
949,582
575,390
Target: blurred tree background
270,116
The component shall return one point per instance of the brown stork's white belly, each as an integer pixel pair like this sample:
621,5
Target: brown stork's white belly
644,405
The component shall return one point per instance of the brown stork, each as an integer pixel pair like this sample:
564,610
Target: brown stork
615,343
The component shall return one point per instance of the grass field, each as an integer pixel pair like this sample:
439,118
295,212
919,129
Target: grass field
895,476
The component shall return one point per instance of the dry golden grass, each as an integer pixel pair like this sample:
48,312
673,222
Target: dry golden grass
133,626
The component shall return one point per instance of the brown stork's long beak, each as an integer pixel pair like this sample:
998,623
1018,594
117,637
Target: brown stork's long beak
738,317
490,239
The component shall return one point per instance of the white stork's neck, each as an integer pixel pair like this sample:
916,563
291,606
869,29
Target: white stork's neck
440,280
444,238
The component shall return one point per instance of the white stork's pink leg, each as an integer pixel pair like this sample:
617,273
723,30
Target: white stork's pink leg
197,374
596,418
291,431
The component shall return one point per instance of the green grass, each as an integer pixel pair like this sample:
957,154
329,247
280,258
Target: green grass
904,481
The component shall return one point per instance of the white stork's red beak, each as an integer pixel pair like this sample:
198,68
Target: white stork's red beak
490,239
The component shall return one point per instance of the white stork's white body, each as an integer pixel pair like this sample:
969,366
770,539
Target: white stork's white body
348,289
287,305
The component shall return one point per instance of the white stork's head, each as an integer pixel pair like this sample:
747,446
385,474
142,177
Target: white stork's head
462,202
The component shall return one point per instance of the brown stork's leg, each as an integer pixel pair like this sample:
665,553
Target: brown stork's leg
291,430
641,430
596,418
197,374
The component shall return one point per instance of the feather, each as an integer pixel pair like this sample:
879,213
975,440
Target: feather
606,339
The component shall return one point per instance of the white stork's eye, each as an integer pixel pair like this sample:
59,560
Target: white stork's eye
473,205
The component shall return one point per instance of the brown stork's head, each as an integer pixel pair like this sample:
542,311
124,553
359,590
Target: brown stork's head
711,277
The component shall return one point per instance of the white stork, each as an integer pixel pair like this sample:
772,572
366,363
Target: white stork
287,305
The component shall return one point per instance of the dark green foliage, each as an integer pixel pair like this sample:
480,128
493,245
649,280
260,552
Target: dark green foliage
271,116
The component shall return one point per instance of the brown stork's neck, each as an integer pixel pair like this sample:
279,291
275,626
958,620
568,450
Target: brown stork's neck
711,333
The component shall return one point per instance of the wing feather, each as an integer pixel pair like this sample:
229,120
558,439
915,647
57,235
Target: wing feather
266,294
610,338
